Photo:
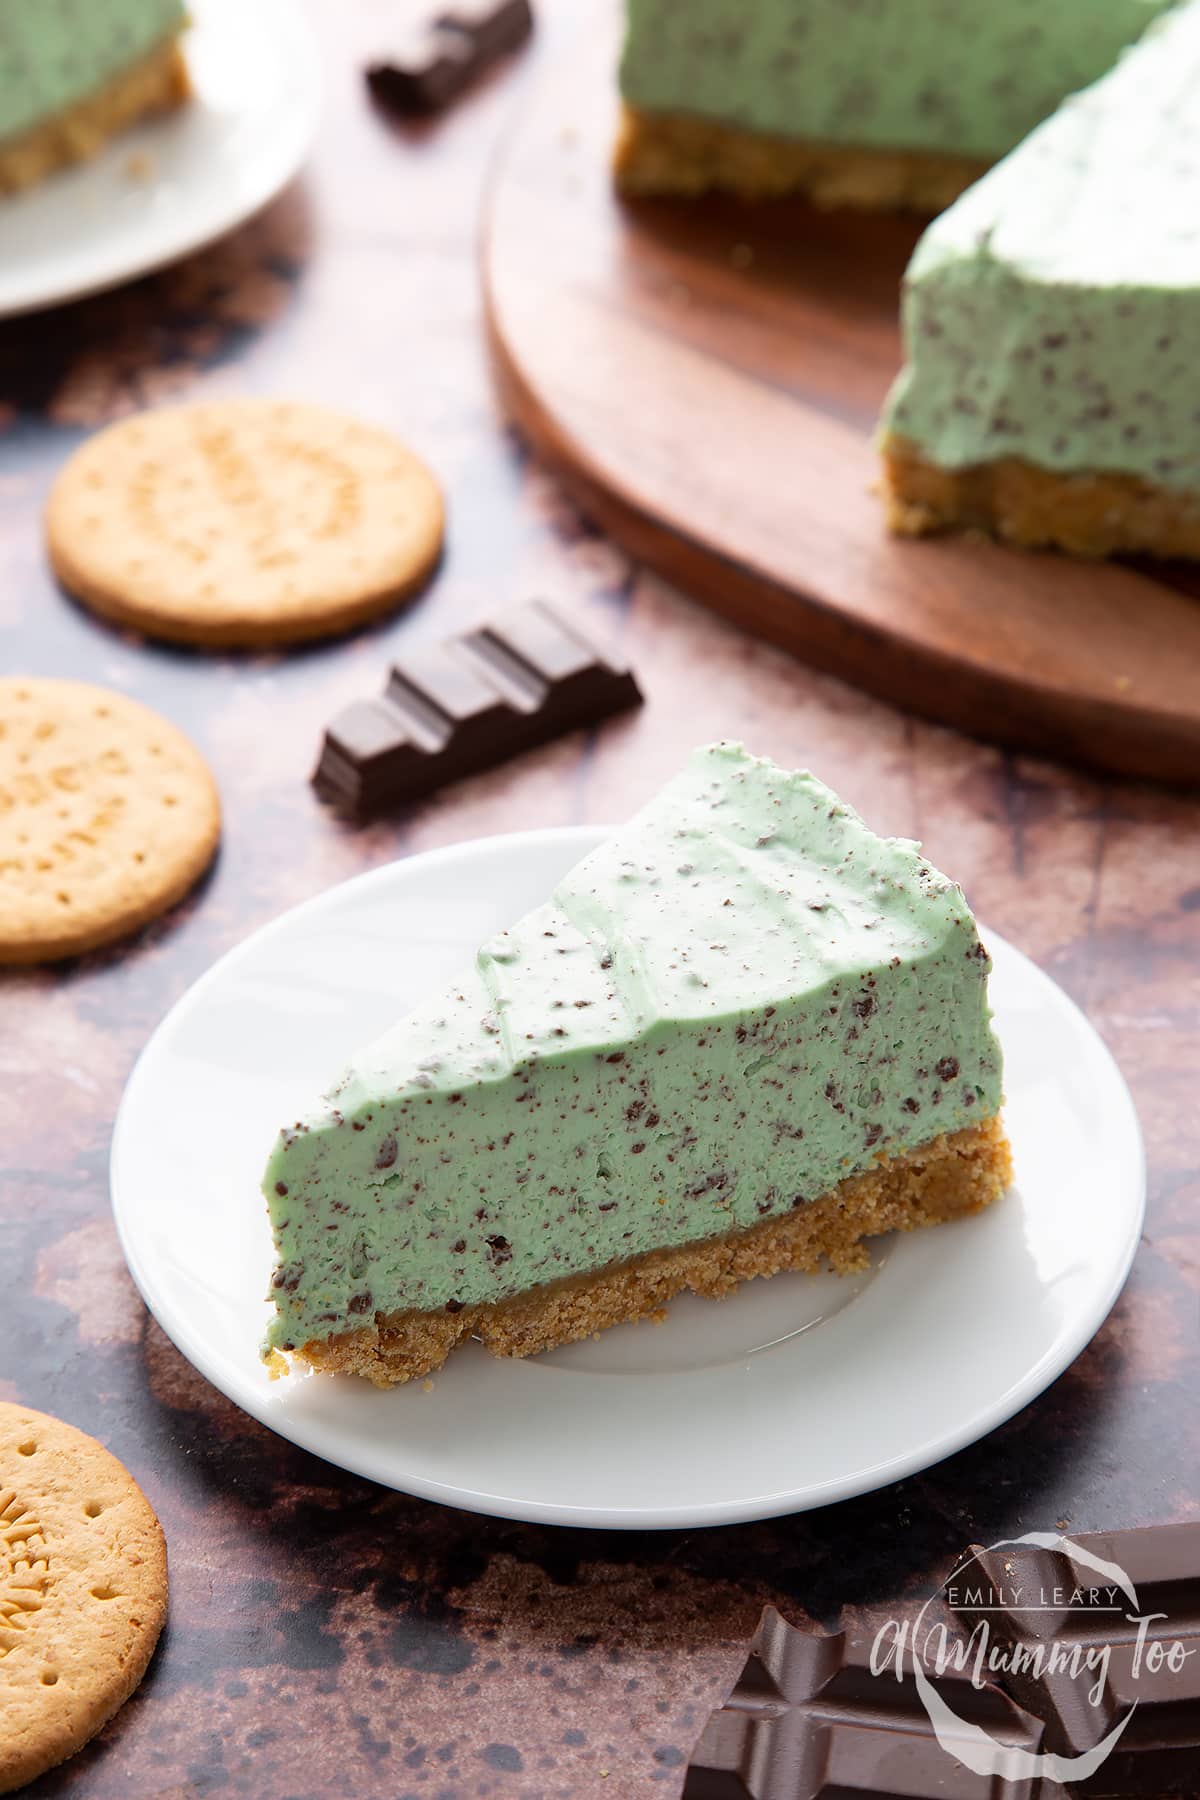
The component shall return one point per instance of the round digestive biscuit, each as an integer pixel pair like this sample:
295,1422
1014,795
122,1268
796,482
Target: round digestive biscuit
83,1590
243,522
108,815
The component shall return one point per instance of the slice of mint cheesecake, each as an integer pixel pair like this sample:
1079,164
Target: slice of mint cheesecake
741,1036
1052,327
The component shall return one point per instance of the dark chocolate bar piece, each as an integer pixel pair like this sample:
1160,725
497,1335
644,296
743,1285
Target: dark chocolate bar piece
459,707
441,58
425,72
1070,1648
808,1720
494,27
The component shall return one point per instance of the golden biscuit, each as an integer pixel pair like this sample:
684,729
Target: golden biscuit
108,815
243,522
83,1590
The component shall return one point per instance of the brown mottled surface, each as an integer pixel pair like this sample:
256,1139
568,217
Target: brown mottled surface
328,1638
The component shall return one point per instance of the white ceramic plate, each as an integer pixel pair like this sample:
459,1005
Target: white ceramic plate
173,184
792,1393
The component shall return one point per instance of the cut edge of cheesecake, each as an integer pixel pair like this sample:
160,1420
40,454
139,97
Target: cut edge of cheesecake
682,154
1093,513
155,83
949,1177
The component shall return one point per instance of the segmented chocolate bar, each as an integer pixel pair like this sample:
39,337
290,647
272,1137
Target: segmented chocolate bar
428,69
1086,1662
438,59
459,707
494,27
809,1720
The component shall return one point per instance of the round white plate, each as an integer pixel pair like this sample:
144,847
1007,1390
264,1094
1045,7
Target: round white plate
790,1394
169,186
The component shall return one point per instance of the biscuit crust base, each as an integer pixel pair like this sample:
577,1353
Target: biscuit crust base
156,83
1088,514
956,1174
675,153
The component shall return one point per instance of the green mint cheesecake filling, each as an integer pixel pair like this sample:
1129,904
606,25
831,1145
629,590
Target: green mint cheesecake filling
1052,314
54,52
951,76
741,998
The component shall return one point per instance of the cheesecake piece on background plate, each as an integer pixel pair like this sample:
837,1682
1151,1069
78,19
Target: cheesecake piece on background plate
74,75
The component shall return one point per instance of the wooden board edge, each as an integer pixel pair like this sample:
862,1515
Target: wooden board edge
1109,737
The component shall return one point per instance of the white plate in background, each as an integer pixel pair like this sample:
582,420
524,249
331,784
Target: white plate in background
171,185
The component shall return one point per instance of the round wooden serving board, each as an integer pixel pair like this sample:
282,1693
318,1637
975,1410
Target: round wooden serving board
705,376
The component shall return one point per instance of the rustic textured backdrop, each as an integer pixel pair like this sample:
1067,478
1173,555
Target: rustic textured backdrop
328,1638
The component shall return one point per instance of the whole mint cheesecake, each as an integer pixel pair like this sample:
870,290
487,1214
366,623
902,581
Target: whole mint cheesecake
743,1035
1052,327
860,102
72,75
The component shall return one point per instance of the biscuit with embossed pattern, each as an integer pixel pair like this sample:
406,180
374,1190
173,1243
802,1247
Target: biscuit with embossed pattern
108,815
83,1590
243,522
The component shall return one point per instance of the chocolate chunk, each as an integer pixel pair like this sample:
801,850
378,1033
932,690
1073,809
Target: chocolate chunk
808,1720
438,60
425,72
457,708
493,29
1071,1648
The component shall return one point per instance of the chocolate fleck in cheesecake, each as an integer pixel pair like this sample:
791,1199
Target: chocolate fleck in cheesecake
743,1035
1052,327
75,72
853,102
